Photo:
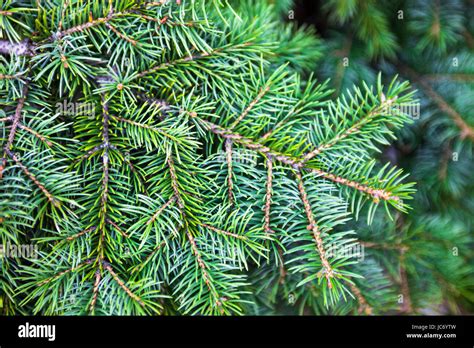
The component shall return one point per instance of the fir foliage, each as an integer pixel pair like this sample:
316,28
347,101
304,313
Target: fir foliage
206,158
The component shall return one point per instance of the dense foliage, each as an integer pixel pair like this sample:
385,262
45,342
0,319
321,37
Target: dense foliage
178,157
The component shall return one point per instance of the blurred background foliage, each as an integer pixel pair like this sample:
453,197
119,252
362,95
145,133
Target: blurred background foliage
421,262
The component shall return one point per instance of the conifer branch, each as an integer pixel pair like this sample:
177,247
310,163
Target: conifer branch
77,235
148,257
88,25
314,228
95,291
117,227
9,77
60,274
144,126
230,184
189,59
268,196
174,185
15,122
364,307
355,128
36,134
204,272
16,117
32,177
121,35
162,208
194,247
223,232
260,95
106,175
296,163
114,275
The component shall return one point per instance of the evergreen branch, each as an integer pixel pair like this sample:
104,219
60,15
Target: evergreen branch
162,208
295,163
95,291
105,157
114,275
223,232
194,247
116,227
204,272
145,126
364,307
174,185
16,117
89,153
355,128
148,257
376,194
120,35
77,235
188,59
314,228
26,171
88,25
230,185
36,134
260,95
268,196
9,77
60,274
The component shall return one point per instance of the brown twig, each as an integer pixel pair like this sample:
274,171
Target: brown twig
223,232
268,196
122,285
364,306
96,290
260,95
314,228
230,184
159,211
77,235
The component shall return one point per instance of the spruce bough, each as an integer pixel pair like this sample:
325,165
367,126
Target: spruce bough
204,158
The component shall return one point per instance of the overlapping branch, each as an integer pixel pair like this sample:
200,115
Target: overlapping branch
314,228
296,163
